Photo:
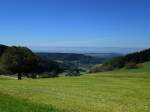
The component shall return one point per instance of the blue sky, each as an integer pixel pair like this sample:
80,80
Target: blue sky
75,23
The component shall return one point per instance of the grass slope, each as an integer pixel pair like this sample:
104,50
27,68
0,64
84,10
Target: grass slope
11,104
117,91
143,68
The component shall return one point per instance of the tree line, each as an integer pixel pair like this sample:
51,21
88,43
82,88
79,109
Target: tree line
23,62
129,61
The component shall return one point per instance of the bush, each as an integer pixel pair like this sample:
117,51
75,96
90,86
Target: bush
49,75
73,72
117,62
96,68
2,71
34,76
101,68
131,65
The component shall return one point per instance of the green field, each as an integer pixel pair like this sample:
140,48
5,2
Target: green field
117,91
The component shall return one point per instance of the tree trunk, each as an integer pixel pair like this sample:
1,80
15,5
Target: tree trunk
19,76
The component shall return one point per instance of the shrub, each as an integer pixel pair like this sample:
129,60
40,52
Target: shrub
49,75
131,65
73,72
101,68
34,76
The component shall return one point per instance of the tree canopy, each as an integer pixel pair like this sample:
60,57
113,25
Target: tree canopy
21,60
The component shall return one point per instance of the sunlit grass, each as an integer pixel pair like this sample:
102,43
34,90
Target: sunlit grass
117,91
12,104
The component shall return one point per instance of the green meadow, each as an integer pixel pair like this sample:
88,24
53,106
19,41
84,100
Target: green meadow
116,91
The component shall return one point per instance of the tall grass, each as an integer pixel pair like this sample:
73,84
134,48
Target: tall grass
12,104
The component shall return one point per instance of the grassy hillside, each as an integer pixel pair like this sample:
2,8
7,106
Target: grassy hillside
127,61
117,91
143,68
12,104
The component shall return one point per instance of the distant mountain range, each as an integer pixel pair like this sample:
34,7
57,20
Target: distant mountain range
82,50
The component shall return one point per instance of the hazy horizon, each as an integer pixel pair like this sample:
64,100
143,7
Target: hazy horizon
69,49
82,49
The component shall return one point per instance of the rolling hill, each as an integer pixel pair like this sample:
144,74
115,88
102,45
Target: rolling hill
83,60
123,90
